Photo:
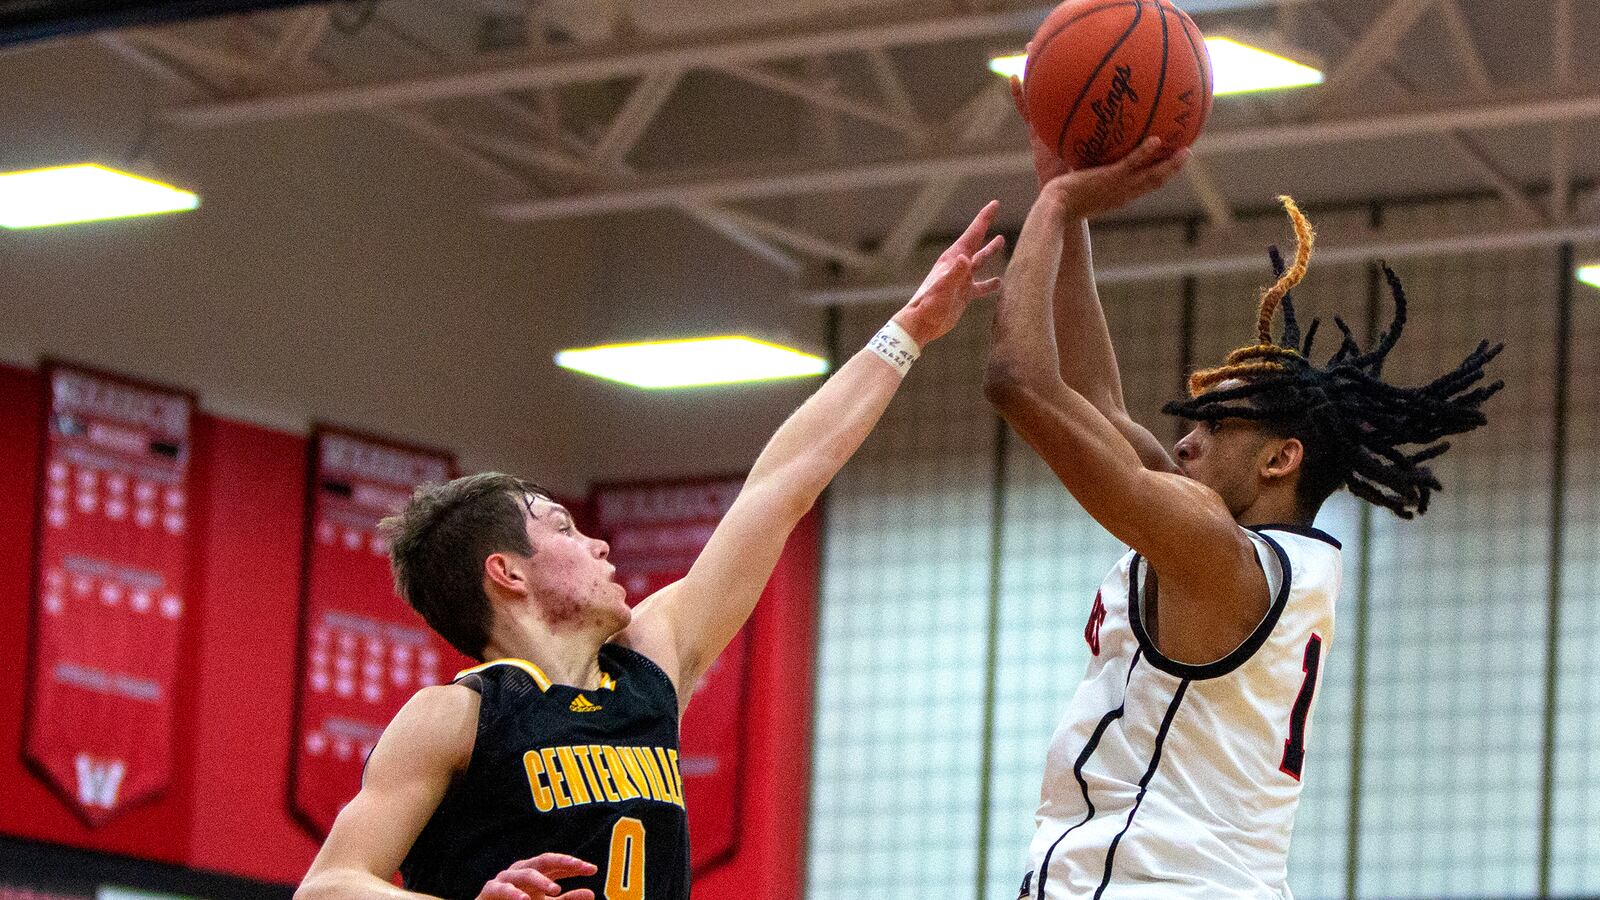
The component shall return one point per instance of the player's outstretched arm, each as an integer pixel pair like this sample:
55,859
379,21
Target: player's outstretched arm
685,625
429,740
1084,352
1179,525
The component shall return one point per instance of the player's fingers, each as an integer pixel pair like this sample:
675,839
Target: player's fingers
994,246
579,894
1158,174
499,890
1017,96
548,862
531,881
557,865
986,287
1148,152
980,224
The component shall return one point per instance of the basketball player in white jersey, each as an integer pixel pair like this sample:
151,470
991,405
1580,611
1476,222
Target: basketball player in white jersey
1177,768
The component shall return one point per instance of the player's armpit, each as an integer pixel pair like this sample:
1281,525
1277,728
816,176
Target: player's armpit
685,625
429,740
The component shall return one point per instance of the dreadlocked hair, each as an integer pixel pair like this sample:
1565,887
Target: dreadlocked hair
1265,357
1351,422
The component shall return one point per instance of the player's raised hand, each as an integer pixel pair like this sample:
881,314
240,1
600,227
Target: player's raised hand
949,288
1087,193
1047,163
533,879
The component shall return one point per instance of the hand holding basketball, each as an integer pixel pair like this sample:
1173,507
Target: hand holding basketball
535,878
1087,193
1047,164
947,291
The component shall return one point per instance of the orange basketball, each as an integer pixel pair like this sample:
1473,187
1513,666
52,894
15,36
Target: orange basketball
1103,75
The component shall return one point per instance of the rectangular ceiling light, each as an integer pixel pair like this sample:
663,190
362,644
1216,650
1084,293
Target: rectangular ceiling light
1590,275
699,362
1236,68
83,193
1240,68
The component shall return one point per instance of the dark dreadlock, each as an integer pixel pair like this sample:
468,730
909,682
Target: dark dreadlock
1350,421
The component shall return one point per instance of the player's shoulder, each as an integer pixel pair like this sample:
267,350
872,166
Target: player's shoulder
444,715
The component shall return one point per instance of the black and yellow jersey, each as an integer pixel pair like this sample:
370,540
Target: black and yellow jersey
589,773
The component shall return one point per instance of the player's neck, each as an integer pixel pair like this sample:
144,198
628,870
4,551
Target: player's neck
569,655
1271,509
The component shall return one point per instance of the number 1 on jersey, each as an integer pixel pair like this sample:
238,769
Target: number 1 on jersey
1294,749
625,870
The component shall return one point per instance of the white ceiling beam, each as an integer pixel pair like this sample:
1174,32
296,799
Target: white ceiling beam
446,141
515,72
300,37
978,121
162,70
1467,54
641,108
1561,42
799,241
1198,173
1522,208
1212,258
824,99
1372,50
1561,149
198,55
891,86
717,220
1375,125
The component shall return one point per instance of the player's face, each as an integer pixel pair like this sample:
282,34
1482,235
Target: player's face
1224,456
573,579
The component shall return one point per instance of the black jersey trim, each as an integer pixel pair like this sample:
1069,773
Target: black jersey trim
1304,531
1241,654
1077,772
1144,783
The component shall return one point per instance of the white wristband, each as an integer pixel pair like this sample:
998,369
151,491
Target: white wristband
895,346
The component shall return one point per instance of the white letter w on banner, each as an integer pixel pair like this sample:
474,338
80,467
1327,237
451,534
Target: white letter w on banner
99,780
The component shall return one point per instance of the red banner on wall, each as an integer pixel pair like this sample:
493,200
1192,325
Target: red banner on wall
363,651
656,532
110,589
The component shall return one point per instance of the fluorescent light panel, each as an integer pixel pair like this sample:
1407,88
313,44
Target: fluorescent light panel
83,193
657,365
1236,68
1590,275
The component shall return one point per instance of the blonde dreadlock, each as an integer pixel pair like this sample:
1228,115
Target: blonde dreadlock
1266,357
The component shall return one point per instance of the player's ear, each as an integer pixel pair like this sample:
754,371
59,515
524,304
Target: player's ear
1285,459
500,571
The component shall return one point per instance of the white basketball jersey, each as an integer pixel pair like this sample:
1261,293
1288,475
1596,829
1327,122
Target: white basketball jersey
1169,781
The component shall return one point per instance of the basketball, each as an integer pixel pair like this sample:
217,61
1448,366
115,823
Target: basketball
1103,75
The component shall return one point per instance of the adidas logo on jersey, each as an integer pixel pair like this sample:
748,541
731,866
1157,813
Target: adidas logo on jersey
582,705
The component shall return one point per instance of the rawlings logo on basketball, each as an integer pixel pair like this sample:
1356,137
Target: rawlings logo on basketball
1111,118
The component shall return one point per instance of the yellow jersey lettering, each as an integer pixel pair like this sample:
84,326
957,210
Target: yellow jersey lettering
573,774
553,769
666,774
603,768
534,763
677,775
582,752
630,764
619,771
652,773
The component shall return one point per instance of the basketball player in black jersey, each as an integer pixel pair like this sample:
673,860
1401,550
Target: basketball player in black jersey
552,769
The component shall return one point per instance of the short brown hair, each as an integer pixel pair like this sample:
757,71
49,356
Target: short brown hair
438,543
